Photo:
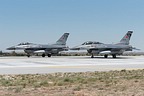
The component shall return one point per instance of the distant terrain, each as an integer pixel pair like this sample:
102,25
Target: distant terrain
112,83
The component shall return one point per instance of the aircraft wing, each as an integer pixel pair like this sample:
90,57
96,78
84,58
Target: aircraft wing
47,49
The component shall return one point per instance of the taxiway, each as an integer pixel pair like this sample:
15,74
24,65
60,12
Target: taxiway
39,65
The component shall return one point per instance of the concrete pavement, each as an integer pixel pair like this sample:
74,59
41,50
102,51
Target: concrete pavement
39,65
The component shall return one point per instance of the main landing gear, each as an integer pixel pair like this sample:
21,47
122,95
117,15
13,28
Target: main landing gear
105,56
28,55
114,55
92,56
49,55
43,55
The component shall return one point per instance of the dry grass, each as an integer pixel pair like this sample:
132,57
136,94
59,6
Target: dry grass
113,83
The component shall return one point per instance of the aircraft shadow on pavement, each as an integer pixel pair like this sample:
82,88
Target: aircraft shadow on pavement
108,57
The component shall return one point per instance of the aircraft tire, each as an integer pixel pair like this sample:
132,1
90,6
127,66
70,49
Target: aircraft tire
28,55
49,55
114,56
105,56
92,56
43,55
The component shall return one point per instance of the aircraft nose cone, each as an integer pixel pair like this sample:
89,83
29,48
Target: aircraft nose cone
11,48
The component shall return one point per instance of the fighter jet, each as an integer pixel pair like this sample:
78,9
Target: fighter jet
49,49
107,49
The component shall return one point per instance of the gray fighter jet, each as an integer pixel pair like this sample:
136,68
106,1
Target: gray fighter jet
107,49
49,49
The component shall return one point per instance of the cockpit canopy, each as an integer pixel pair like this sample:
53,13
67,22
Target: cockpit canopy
27,43
91,42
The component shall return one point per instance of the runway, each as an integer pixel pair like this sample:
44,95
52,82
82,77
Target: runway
39,65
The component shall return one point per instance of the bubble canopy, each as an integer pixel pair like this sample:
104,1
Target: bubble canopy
27,43
91,42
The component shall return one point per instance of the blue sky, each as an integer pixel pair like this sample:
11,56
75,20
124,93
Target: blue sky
44,21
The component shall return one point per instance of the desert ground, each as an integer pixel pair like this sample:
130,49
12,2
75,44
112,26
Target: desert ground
111,83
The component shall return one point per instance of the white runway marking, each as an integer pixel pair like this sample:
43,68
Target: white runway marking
33,65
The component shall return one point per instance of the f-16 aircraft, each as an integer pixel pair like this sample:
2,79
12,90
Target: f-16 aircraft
107,49
49,49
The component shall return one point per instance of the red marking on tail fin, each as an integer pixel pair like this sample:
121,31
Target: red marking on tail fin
126,36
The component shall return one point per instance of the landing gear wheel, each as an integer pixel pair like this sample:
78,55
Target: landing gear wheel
43,55
114,56
105,56
28,55
92,56
49,55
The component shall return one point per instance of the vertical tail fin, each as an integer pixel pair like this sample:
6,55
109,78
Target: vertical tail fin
125,40
63,39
